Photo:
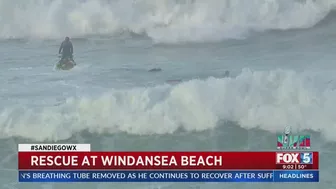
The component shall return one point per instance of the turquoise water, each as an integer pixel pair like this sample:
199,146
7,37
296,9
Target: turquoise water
281,66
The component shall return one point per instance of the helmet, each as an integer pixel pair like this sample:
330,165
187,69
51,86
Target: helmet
67,38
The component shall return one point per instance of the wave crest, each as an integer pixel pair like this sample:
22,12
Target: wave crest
268,100
166,21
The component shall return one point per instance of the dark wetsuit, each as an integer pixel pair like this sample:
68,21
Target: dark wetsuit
67,49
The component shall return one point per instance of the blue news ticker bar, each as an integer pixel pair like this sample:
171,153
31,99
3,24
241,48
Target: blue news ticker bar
170,176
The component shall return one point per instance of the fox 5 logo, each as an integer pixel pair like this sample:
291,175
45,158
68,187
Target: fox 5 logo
294,158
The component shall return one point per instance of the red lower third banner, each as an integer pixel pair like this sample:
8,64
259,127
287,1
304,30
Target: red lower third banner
168,160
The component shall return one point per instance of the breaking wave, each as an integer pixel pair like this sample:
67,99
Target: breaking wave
166,21
267,100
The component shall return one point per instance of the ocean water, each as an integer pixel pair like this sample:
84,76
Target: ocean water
280,55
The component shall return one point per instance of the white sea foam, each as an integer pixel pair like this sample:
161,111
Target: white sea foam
269,100
169,21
